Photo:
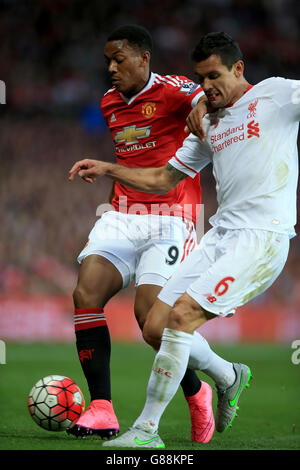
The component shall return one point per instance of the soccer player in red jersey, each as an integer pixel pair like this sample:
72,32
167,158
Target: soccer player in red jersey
144,236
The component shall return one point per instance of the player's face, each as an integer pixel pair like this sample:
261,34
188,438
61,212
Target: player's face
221,85
127,66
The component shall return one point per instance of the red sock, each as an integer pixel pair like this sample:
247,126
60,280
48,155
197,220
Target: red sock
85,318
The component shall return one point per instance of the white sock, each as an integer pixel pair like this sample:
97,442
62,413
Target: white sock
203,358
168,369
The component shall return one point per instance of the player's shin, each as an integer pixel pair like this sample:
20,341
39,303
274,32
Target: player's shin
94,348
167,372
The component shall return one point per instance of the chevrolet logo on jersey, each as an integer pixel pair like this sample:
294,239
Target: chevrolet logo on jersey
131,134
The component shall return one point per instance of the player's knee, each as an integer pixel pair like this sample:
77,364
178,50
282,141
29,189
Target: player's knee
178,318
83,298
145,298
184,315
152,335
78,296
140,315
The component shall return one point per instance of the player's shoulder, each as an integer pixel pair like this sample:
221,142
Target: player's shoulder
172,82
109,95
109,99
274,84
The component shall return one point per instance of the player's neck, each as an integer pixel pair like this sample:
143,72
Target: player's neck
139,87
241,90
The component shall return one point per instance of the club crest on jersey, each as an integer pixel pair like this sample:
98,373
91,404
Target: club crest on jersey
252,109
131,134
148,109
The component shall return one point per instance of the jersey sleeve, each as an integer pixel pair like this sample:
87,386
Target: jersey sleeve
103,108
192,157
105,104
183,93
287,95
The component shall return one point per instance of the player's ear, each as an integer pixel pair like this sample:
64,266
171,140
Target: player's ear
238,68
146,56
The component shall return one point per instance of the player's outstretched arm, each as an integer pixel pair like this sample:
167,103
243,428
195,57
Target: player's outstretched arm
151,180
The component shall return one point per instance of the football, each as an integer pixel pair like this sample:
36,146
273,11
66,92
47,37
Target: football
55,402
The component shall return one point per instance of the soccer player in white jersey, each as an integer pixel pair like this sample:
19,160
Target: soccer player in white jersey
251,140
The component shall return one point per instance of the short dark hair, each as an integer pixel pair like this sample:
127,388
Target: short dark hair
136,35
220,44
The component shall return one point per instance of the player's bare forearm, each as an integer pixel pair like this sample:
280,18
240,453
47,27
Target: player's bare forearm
151,180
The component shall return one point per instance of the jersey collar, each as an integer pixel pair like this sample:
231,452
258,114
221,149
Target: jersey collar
145,88
231,104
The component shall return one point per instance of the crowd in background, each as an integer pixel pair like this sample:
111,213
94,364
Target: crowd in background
51,51
51,60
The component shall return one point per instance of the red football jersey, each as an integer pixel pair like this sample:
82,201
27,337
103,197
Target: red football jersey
147,129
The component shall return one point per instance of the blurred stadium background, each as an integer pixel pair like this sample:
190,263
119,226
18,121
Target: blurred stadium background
51,60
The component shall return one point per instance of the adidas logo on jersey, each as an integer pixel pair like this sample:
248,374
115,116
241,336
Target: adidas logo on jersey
113,118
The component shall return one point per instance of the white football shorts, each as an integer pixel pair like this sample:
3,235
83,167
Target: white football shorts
147,247
228,269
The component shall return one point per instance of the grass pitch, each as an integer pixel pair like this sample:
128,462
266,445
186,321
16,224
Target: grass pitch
269,414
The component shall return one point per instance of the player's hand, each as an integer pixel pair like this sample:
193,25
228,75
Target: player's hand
194,120
88,169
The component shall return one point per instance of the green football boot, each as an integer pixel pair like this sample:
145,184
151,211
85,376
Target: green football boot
137,438
228,399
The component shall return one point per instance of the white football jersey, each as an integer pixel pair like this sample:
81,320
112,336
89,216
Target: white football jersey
253,148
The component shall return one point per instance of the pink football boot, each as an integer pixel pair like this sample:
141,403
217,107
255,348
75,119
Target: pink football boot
202,417
99,418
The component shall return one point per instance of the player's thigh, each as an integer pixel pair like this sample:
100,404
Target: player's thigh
191,269
247,263
171,241
110,239
98,281
156,263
